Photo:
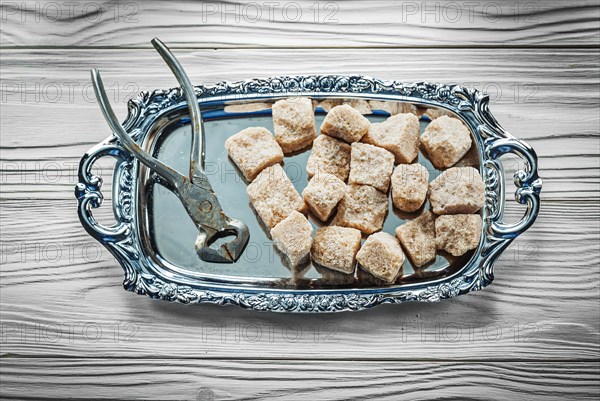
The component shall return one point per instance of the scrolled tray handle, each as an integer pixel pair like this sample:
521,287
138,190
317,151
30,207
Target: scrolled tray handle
89,194
527,181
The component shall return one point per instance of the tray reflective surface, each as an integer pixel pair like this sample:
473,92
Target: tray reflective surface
154,237
173,233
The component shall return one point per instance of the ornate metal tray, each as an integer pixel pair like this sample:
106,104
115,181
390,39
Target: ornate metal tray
153,237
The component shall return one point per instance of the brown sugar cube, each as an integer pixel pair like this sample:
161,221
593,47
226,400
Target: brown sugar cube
457,233
435,112
328,104
346,123
370,165
446,140
409,186
252,149
457,190
368,280
335,247
404,108
361,105
470,159
392,107
293,237
362,207
247,107
399,134
384,105
331,278
273,196
322,194
329,156
382,256
417,237
294,123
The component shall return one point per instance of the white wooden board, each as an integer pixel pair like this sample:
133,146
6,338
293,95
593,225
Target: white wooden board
68,330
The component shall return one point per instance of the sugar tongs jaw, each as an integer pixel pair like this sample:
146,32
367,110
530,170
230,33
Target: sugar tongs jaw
194,191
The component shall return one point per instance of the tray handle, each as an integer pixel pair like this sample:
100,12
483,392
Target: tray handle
527,181
89,194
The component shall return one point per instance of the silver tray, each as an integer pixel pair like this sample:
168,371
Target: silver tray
153,237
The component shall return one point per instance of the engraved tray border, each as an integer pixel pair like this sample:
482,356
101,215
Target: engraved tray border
122,239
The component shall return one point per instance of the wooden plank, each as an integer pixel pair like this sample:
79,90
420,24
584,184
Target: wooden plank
76,282
169,379
537,309
552,108
67,328
53,177
302,23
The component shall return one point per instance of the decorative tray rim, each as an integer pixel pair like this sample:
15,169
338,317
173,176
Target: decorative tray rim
122,238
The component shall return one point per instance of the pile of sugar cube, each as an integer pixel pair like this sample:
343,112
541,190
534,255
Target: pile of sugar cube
352,167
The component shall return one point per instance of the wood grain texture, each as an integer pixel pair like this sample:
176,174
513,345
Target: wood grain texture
61,291
301,23
67,328
168,379
537,309
545,97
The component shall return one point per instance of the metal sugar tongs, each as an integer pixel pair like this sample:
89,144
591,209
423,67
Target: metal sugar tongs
195,191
